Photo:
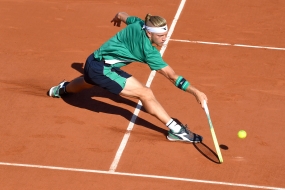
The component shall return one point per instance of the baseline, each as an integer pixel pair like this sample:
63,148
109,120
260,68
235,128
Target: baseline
140,175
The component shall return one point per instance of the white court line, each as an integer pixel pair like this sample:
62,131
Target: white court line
140,175
228,44
139,105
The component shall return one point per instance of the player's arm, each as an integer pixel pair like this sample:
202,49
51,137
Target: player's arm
182,83
120,17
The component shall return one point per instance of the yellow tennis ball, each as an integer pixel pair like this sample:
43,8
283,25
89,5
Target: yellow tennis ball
242,134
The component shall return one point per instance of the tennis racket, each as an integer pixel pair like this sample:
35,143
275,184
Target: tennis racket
213,133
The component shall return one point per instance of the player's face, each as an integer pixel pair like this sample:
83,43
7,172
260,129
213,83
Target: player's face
158,38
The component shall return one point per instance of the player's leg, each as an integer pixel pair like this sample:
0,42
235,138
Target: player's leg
134,88
177,132
77,85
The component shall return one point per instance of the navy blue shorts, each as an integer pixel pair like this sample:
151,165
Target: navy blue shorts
99,73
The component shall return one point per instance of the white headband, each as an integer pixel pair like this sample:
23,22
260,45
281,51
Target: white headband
156,29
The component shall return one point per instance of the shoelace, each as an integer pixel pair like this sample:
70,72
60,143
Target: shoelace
185,127
191,134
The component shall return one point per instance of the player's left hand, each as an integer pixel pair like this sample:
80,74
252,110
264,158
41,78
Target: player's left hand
116,20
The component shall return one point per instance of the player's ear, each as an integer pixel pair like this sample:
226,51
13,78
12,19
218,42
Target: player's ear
148,33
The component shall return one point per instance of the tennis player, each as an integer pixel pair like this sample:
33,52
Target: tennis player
134,43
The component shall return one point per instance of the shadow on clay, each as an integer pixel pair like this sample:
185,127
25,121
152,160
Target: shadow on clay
85,100
207,152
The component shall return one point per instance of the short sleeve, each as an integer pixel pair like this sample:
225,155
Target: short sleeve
133,19
154,59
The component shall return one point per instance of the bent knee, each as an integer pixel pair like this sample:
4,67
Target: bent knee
146,93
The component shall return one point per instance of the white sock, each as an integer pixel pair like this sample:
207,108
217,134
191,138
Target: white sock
175,127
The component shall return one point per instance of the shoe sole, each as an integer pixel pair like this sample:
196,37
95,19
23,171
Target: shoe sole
180,140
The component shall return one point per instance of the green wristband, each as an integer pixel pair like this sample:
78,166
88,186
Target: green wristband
182,83
178,80
185,85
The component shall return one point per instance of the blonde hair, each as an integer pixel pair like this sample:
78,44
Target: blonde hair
156,21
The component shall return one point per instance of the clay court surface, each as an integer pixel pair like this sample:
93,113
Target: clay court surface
70,143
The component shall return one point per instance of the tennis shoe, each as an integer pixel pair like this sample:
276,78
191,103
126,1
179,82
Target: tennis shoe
184,135
55,90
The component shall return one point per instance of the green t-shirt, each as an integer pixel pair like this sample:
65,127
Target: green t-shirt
131,44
